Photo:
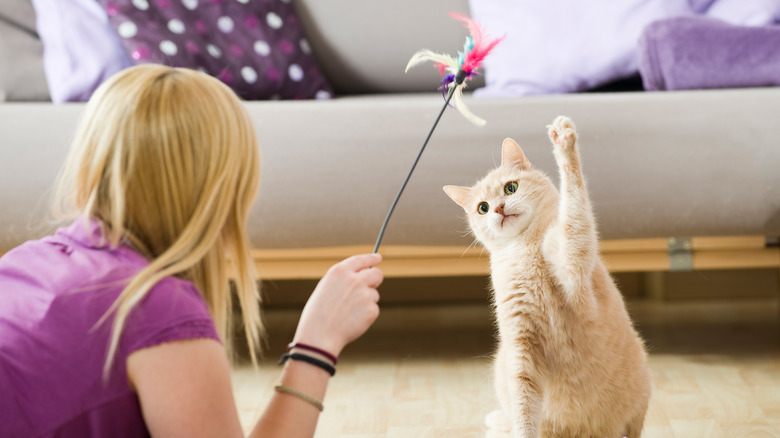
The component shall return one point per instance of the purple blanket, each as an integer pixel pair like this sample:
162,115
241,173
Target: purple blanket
697,52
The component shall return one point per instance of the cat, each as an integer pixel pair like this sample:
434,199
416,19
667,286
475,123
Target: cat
569,361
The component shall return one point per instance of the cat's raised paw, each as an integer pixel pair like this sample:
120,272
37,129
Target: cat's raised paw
562,132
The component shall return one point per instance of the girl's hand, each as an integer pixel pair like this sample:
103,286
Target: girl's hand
343,305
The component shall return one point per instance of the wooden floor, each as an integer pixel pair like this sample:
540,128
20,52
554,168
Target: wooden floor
425,372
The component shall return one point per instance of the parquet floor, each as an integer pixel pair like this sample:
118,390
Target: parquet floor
425,372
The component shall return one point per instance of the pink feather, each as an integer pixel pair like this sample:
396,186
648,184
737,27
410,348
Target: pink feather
482,46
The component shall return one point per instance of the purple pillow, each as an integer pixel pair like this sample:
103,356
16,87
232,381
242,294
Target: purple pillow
80,48
698,53
257,47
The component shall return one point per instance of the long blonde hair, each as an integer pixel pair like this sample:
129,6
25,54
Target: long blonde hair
166,159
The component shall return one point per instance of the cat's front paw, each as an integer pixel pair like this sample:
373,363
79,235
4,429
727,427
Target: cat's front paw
562,133
498,420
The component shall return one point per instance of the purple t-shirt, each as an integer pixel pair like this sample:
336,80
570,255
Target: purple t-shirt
53,291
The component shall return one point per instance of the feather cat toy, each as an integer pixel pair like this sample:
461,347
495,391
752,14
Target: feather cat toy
456,72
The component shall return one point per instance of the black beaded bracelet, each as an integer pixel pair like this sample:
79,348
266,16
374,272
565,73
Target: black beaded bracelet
308,359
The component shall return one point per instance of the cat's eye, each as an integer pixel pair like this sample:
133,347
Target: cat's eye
510,188
483,208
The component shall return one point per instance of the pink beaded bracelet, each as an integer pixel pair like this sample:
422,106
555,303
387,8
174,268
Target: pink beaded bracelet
331,357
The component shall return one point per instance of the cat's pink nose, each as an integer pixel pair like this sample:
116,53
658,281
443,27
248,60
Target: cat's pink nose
500,208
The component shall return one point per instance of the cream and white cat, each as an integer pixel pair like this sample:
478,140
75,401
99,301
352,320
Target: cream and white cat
569,362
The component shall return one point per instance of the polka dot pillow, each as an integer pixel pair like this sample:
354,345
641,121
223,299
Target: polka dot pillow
257,47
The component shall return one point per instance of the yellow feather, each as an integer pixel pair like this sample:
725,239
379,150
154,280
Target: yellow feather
427,55
457,102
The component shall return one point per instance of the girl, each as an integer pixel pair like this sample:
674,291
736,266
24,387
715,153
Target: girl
114,326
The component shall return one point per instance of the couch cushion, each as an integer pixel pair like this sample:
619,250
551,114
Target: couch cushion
692,163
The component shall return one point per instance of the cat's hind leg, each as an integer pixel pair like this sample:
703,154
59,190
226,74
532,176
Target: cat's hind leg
634,428
572,244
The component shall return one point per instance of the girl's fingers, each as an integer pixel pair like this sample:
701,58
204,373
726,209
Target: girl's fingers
360,262
372,277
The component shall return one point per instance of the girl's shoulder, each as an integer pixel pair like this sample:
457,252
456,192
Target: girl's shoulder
76,272
74,257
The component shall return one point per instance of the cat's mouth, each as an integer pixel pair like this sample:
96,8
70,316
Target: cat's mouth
508,217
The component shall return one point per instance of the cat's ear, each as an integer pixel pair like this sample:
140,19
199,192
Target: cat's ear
512,155
458,194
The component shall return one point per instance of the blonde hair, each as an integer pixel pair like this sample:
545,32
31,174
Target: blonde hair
166,159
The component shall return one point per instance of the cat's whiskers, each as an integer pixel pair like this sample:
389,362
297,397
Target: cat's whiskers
527,195
467,232
525,188
527,184
473,244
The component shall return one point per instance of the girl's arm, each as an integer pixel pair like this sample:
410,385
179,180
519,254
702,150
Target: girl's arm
185,390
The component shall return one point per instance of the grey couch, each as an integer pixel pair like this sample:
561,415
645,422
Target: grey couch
659,165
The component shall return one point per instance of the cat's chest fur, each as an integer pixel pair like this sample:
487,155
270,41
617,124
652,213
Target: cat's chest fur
530,308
